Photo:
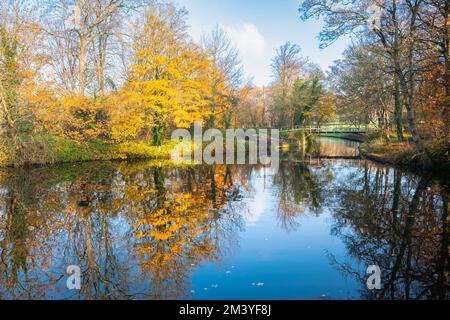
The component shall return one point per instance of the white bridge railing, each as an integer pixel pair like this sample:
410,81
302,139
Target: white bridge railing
331,128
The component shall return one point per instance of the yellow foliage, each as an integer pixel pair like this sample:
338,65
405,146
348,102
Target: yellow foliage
3,155
168,85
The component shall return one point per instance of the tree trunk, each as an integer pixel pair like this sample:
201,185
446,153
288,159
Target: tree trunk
82,66
410,117
387,129
446,106
11,126
158,133
101,62
398,112
408,88
444,261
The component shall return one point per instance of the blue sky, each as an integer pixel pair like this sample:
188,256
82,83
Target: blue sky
257,27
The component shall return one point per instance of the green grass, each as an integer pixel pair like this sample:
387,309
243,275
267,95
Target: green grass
290,135
284,134
141,150
66,150
63,150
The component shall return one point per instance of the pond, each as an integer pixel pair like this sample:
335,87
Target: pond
147,230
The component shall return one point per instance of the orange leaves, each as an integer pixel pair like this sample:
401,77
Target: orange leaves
160,236
433,102
81,118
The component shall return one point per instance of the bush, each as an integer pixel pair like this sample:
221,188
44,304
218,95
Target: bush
284,134
408,159
373,137
31,149
141,150
4,159
67,150
438,155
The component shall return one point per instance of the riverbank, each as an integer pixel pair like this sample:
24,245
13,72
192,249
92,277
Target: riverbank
59,150
346,136
403,155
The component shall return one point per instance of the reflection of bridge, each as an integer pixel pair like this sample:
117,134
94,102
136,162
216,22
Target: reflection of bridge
331,128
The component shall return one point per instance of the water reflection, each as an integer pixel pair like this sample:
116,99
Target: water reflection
401,224
126,226
299,189
333,147
141,231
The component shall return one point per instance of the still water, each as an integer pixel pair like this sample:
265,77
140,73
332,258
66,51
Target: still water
153,231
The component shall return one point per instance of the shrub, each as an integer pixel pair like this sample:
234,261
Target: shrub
284,134
374,136
3,155
141,150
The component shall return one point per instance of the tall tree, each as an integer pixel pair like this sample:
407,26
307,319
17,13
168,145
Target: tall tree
397,32
286,68
20,63
364,89
435,18
227,74
169,79
79,38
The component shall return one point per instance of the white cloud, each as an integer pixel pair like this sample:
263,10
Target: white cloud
253,50
247,38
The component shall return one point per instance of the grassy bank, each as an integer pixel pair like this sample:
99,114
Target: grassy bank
404,155
53,150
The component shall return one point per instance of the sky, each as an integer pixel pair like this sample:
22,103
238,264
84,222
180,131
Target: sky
258,27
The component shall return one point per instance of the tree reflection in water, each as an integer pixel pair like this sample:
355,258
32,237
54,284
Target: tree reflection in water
299,188
399,223
136,231
141,231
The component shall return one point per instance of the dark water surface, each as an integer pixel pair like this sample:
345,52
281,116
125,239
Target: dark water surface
149,231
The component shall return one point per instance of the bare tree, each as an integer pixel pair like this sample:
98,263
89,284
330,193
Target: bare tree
286,68
225,57
21,62
81,33
398,33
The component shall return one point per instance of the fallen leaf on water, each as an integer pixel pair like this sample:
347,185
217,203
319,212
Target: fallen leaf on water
258,284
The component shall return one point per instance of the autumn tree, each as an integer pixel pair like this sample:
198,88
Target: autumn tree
21,61
169,76
398,33
435,25
298,94
252,107
365,92
81,37
286,68
310,101
226,76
